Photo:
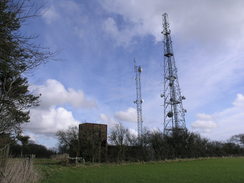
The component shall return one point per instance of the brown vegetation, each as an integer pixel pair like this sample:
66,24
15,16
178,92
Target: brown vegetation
16,170
19,171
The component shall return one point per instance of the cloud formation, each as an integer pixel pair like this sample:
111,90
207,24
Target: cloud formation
123,37
128,115
202,21
207,38
49,121
50,15
54,93
68,13
50,117
107,119
204,123
222,125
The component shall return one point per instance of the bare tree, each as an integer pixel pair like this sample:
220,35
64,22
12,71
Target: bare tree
68,140
119,137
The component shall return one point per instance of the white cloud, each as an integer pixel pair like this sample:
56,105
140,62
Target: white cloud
210,77
53,13
222,125
47,140
239,102
54,93
49,121
205,123
207,40
107,119
200,20
69,13
50,116
50,15
128,115
133,132
207,70
122,37
111,27
141,15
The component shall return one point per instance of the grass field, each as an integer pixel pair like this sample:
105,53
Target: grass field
219,170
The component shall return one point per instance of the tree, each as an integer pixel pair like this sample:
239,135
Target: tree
238,139
24,141
31,148
68,141
17,56
118,136
159,145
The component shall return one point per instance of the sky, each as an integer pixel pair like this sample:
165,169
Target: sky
92,77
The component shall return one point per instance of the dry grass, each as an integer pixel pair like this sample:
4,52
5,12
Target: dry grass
16,170
3,161
19,171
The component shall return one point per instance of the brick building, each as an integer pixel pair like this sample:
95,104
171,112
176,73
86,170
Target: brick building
93,141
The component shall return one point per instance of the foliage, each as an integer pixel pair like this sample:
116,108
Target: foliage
17,56
120,137
238,139
154,145
151,146
68,141
23,139
38,150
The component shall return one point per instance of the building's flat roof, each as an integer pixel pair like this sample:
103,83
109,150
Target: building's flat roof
92,124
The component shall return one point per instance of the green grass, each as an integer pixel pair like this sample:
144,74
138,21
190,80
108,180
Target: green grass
219,170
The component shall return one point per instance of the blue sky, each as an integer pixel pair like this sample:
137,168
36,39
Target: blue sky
92,77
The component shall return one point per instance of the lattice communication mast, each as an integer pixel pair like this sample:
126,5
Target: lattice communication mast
174,113
138,100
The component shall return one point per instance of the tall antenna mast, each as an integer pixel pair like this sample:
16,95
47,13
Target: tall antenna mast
138,100
174,113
